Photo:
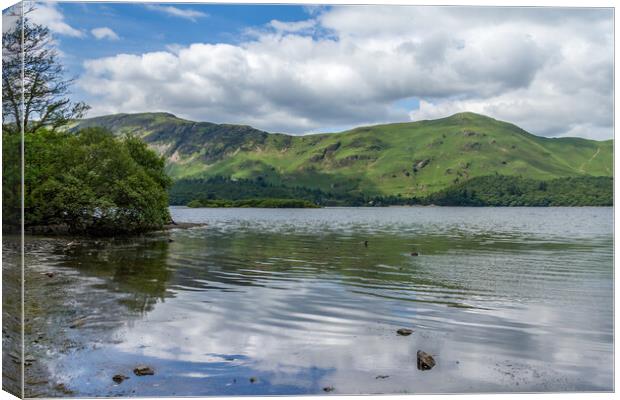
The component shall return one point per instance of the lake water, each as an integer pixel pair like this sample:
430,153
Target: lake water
292,301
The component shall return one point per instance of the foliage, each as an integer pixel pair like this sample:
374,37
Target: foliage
501,190
90,182
218,187
222,188
31,66
496,190
256,203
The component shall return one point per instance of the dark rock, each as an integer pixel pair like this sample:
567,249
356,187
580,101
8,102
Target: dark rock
170,240
61,387
365,243
332,147
78,323
49,274
253,379
421,164
328,389
119,378
28,360
141,370
404,331
317,157
415,254
472,146
382,376
425,361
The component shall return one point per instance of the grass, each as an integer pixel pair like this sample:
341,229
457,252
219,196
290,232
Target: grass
375,160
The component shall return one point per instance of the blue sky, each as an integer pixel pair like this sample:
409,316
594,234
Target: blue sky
300,70
142,29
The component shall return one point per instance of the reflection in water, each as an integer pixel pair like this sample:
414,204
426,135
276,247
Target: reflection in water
292,301
135,268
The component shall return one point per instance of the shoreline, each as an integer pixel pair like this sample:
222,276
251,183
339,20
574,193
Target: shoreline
57,231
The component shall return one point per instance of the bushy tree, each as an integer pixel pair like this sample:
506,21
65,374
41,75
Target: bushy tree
93,182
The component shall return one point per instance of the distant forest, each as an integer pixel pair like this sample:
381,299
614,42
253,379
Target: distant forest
494,190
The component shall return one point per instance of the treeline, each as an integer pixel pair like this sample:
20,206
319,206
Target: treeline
85,182
496,190
223,188
255,203
514,191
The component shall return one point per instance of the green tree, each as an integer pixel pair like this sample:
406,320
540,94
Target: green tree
92,182
34,95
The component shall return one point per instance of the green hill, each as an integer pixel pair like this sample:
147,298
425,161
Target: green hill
410,159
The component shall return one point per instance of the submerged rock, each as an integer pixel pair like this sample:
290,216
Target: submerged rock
425,361
253,379
404,331
119,378
141,370
328,389
29,358
78,322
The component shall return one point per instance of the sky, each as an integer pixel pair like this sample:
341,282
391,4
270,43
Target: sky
306,69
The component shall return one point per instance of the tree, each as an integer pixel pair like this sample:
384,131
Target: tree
34,89
93,182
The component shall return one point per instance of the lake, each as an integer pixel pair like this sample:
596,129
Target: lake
304,301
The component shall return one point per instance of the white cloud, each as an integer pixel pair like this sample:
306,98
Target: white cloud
504,62
46,13
104,33
297,26
186,13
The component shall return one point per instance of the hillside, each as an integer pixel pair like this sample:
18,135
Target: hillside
500,190
404,159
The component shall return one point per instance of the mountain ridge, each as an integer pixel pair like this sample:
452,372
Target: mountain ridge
397,159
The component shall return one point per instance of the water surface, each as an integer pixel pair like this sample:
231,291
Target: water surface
265,301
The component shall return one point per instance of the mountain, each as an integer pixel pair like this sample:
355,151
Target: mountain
407,159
